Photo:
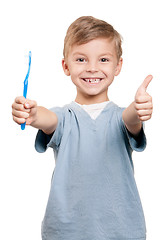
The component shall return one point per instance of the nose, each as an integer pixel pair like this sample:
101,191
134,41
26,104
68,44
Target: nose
92,67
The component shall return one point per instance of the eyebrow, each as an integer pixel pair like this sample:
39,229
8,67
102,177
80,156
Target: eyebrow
79,53
83,54
107,53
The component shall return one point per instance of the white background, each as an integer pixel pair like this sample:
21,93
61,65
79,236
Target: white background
40,26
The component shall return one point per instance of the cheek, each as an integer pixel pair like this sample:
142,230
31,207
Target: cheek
109,69
110,72
75,75
75,72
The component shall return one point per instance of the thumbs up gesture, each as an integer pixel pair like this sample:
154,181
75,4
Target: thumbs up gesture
143,101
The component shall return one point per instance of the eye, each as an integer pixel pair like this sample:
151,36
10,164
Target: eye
104,60
80,59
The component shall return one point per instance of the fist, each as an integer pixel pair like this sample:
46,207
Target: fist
24,110
143,101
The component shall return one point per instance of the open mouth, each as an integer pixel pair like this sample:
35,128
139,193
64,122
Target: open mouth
92,80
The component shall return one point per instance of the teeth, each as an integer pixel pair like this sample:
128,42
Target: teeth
92,80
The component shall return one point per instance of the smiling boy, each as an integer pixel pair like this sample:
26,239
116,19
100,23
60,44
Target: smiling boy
93,192
92,67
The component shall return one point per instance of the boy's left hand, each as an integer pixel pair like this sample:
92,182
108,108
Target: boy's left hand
143,101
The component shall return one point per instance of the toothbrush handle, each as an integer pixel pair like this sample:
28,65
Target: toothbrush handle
26,86
23,125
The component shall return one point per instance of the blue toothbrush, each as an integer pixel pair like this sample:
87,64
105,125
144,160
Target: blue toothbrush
26,86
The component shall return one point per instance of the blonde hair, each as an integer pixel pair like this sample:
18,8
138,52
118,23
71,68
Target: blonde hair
87,28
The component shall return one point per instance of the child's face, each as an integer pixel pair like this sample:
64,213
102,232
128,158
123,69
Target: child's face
92,67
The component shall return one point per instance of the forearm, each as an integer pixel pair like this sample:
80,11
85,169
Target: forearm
131,119
45,120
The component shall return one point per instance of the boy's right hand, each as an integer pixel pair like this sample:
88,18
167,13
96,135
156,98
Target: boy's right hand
24,110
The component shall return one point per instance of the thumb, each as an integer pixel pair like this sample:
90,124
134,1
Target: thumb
144,85
30,104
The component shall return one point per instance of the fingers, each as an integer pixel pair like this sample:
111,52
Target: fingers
141,106
144,114
19,107
145,118
20,114
20,100
145,98
23,109
22,104
144,110
29,104
19,120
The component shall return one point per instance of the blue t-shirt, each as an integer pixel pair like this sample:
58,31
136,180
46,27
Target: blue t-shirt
93,192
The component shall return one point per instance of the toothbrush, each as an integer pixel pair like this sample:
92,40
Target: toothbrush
26,86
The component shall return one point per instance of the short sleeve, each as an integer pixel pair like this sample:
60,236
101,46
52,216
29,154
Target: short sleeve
44,141
137,143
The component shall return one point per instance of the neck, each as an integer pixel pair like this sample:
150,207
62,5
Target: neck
87,100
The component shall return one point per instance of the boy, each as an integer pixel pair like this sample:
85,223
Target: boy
93,192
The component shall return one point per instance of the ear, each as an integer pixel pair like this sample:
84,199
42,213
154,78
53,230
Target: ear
65,67
119,66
